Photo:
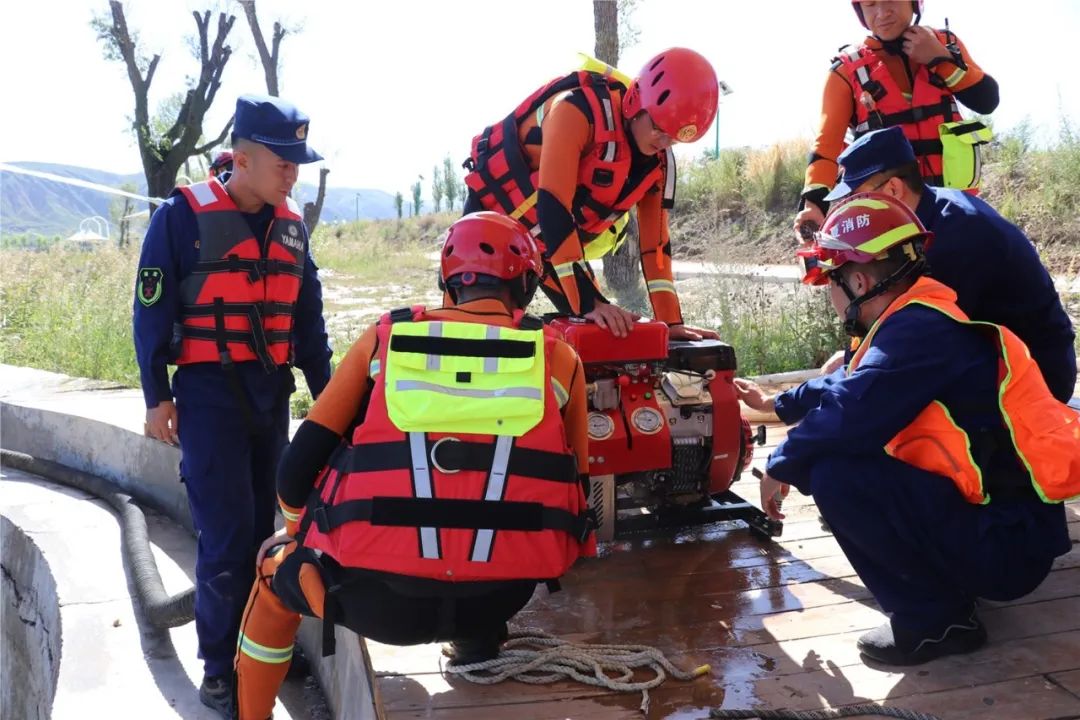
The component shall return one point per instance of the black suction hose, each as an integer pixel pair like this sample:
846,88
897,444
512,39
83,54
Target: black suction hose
162,610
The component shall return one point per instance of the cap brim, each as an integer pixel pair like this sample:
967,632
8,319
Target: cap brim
842,190
299,153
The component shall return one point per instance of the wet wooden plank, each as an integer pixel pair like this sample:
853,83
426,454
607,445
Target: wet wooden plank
1069,681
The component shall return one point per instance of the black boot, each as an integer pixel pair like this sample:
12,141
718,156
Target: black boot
476,649
216,693
890,645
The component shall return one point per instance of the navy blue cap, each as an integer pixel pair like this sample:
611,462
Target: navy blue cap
275,123
872,153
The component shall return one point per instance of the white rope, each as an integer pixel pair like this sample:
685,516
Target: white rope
5,167
537,658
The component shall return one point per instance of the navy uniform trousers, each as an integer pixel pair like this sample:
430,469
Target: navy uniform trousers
923,551
229,473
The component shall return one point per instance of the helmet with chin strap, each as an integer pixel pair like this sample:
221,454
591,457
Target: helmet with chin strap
916,9
861,229
679,90
492,250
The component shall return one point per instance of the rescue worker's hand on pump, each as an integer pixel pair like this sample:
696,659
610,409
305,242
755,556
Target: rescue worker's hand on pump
922,46
754,397
809,215
161,423
613,318
686,332
772,494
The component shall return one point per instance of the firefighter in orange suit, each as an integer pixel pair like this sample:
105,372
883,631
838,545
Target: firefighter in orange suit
576,155
906,75
938,457
438,479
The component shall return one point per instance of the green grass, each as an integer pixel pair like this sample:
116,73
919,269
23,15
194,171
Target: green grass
70,311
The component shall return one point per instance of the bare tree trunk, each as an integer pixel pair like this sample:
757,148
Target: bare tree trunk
269,58
606,25
163,156
622,269
312,210
271,62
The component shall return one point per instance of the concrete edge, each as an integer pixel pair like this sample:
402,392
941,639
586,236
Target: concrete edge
32,627
149,471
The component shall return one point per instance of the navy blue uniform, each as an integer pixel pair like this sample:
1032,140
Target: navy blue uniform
228,468
998,277
919,547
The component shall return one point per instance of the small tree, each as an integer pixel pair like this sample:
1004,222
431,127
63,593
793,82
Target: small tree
271,63
418,202
399,203
450,182
121,210
621,268
436,188
165,149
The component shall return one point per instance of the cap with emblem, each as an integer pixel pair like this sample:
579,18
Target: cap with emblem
874,152
275,123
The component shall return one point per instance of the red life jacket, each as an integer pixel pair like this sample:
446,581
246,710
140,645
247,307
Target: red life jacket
503,181
454,507
238,301
931,104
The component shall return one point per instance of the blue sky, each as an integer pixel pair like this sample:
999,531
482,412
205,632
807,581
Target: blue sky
393,86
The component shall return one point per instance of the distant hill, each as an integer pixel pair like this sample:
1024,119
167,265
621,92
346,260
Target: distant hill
46,207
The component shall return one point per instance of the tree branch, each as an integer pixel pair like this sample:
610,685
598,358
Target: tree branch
268,58
216,141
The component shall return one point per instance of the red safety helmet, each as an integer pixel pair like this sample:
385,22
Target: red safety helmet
860,229
679,90
486,248
222,161
916,9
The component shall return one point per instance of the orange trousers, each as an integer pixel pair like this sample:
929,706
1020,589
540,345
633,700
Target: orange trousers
267,634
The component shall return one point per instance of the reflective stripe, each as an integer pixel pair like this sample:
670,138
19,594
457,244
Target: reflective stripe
669,181
525,206
609,149
862,127
429,537
491,364
561,396
434,330
512,392
203,193
661,286
956,77
863,75
496,486
564,269
262,653
290,516
374,367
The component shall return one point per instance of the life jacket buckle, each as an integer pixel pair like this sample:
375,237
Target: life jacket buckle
434,459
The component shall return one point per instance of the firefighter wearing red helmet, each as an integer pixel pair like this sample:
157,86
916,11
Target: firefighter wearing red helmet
580,152
438,478
222,165
906,75
938,457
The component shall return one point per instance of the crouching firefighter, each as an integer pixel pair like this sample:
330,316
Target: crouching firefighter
438,479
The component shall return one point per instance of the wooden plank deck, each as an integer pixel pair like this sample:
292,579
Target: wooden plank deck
777,622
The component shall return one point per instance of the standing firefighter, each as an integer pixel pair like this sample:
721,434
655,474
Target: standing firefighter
581,151
228,292
906,75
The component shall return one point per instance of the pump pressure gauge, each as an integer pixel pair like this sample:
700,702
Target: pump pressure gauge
601,426
647,420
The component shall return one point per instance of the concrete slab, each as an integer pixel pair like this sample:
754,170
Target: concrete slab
113,664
